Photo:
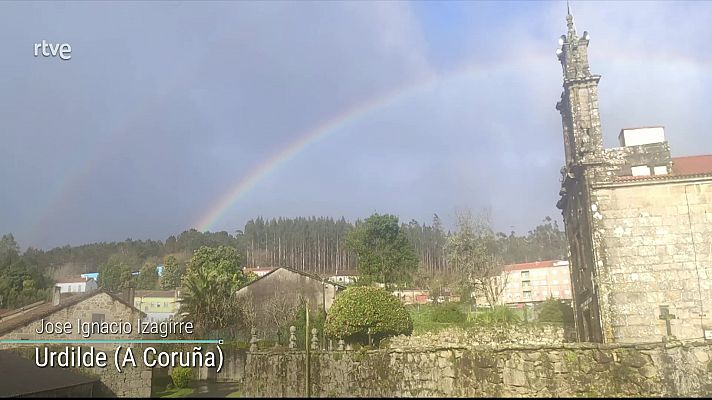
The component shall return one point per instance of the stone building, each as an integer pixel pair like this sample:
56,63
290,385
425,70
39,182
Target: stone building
275,297
638,221
95,306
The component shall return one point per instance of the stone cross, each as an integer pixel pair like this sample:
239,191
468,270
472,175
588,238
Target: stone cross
314,340
253,340
292,337
666,316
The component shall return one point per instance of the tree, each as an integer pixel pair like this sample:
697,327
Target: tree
211,282
115,275
172,273
147,278
360,313
383,250
9,250
472,252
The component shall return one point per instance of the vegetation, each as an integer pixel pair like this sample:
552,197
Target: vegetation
362,313
435,317
147,278
175,393
384,253
311,244
115,275
21,282
173,273
181,376
555,311
497,315
316,320
447,313
472,251
213,277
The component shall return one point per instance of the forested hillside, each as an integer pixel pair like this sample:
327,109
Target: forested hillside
315,244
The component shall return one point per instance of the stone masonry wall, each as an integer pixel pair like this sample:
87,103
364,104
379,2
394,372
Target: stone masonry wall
655,241
672,369
533,334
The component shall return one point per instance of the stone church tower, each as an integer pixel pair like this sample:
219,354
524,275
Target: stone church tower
638,222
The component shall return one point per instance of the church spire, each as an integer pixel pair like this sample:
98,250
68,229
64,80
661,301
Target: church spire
579,100
570,22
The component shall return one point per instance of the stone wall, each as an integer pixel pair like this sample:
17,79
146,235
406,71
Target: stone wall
655,244
672,369
534,334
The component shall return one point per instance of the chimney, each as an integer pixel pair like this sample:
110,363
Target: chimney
129,295
56,294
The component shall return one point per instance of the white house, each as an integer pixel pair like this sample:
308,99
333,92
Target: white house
76,285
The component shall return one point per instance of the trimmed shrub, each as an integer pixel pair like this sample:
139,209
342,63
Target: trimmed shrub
447,313
359,308
181,376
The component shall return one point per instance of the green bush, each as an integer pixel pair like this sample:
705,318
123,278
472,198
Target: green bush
555,311
359,308
181,376
497,315
447,313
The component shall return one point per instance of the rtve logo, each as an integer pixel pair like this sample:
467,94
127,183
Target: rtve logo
61,50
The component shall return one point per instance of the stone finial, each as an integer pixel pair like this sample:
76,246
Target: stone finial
292,337
341,344
253,340
314,340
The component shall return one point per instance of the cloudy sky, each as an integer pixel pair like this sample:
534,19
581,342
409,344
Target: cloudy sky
172,115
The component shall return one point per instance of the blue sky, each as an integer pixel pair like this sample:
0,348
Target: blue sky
166,106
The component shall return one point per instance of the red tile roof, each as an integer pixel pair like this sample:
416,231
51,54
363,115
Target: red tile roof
531,265
692,165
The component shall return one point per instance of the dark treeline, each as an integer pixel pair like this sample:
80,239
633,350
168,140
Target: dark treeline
315,244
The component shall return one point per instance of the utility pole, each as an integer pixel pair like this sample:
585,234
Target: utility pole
308,353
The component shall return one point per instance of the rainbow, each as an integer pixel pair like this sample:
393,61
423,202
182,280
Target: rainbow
332,125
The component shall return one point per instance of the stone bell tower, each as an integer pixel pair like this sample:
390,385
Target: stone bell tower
583,142
583,147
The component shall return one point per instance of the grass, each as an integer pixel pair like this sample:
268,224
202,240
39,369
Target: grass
234,394
176,392
423,321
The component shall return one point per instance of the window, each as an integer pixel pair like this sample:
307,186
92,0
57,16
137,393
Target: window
525,274
98,318
527,295
526,284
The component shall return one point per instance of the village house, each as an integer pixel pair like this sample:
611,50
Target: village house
76,285
94,306
158,305
412,296
260,271
277,294
638,221
535,282
343,278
